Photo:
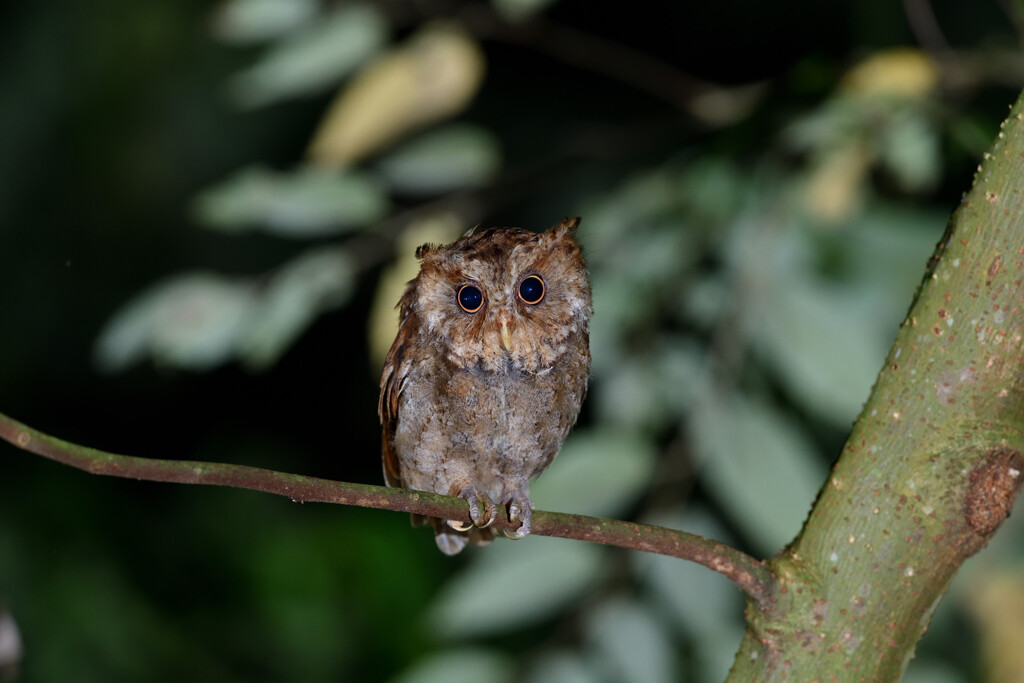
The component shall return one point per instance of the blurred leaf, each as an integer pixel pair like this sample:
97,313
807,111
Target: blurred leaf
666,252
599,472
620,305
313,58
191,321
885,251
764,247
563,667
699,599
613,220
197,321
905,72
632,643
308,202
515,583
457,156
430,78
466,665
517,10
244,21
296,294
11,650
836,184
758,466
719,107
714,189
834,125
704,603
440,229
825,342
909,148
651,390
706,300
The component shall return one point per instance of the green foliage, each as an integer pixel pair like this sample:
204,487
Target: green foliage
509,588
197,321
758,465
450,158
310,58
308,203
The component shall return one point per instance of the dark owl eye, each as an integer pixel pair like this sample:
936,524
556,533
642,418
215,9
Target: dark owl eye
531,290
470,298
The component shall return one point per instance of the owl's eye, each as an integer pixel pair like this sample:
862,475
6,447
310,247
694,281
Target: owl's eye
470,298
531,290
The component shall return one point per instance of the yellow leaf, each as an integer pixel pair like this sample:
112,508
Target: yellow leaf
834,190
902,72
432,77
383,326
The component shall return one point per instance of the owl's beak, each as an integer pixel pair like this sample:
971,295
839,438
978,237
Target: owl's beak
504,324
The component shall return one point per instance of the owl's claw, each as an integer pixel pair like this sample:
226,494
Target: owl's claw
482,510
520,510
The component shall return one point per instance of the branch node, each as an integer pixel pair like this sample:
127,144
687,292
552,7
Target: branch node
993,488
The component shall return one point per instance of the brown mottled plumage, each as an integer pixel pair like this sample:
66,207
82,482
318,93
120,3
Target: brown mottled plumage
488,371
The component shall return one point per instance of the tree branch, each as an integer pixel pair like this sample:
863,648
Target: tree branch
932,466
751,575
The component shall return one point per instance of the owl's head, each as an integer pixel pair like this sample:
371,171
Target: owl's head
504,295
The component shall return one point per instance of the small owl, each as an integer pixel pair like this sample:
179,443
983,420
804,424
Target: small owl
487,373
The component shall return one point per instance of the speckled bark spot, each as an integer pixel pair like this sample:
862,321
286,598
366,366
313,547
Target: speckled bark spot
993,488
994,268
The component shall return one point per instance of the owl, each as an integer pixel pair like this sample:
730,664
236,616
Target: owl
487,373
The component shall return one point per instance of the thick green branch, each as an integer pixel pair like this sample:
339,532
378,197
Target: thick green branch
751,575
932,465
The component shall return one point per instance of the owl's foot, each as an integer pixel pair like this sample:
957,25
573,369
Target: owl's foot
520,509
482,510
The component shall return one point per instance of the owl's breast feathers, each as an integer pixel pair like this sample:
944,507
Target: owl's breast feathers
528,412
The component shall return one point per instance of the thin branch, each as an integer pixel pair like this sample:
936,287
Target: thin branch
752,576
925,26
634,68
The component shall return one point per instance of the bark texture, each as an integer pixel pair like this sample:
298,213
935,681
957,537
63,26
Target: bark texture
932,465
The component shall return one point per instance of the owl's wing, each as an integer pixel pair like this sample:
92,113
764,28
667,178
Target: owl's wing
392,380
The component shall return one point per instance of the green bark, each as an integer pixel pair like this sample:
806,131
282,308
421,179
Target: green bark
931,467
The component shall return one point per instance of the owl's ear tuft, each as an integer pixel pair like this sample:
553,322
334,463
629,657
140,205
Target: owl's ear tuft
566,227
424,250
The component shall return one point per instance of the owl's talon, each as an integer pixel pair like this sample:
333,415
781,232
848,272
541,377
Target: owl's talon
514,511
482,510
520,510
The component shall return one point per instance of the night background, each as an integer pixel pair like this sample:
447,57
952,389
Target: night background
200,250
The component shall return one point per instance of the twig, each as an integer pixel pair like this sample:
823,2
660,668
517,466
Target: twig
752,576
612,60
925,26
